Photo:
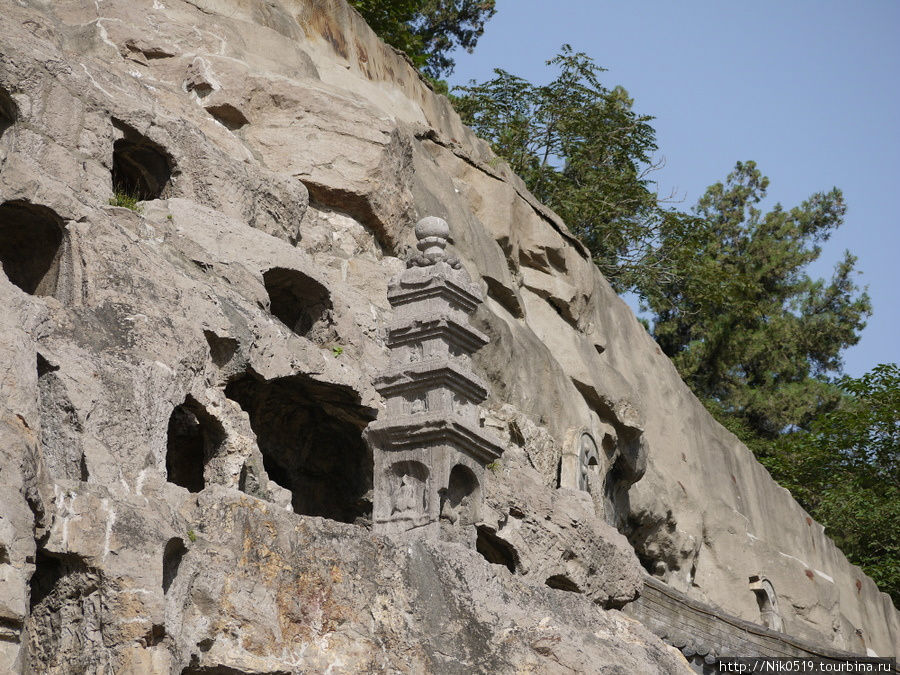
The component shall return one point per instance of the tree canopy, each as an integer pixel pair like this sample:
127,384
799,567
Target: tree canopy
582,150
727,288
748,329
726,284
428,30
845,470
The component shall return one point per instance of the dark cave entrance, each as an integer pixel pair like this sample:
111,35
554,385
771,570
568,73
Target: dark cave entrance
495,550
562,583
310,437
228,116
193,437
172,555
300,302
141,168
31,238
64,593
7,111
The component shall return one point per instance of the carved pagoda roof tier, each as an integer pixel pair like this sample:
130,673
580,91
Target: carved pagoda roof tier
438,285
436,325
421,430
430,374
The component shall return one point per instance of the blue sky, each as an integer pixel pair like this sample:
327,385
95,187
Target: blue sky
809,90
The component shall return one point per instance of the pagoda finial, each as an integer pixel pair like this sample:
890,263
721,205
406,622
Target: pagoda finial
432,233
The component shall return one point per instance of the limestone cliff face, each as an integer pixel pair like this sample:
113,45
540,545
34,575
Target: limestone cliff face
185,484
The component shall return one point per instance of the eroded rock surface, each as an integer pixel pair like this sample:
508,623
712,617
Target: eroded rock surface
184,483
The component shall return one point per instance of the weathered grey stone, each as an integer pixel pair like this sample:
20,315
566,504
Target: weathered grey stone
557,538
184,389
429,448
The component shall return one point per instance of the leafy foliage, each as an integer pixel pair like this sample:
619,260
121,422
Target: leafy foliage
754,336
582,150
125,200
747,328
428,30
845,470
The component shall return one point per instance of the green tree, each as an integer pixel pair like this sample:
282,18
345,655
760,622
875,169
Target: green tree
428,30
755,336
751,333
845,470
583,151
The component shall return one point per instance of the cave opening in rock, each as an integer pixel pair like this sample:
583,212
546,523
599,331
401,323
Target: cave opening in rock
63,574
31,239
300,302
172,555
193,437
562,583
228,116
64,606
141,168
7,111
47,573
310,437
221,349
496,551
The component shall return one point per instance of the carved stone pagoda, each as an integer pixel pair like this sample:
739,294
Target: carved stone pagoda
430,450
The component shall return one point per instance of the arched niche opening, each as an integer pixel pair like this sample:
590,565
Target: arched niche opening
31,238
193,437
589,459
409,496
141,168
172,556
300,302
459,501
310,437
767,602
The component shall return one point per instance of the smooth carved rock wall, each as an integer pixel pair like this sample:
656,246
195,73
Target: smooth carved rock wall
703,632
296,153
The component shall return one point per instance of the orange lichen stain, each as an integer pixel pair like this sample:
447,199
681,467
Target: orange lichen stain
264,562
858,586
131,609
255,643
809,521
307,607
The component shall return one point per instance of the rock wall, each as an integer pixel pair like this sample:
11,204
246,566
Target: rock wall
185,485
703,633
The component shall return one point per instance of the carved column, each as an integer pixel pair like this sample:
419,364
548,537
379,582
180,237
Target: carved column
430,450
